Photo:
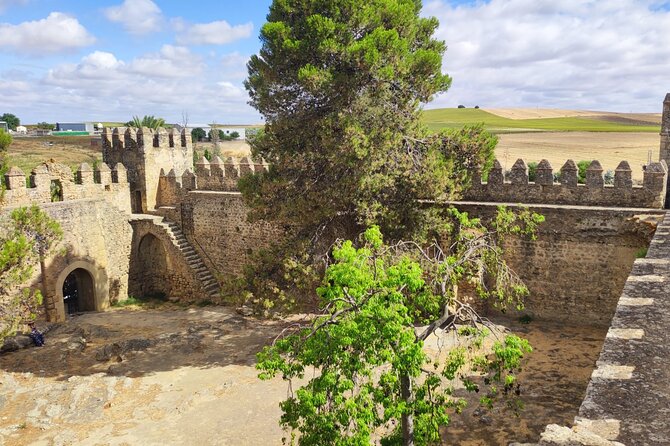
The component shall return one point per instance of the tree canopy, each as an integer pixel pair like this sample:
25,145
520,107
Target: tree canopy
340,84
149,121
27,237
370,375
12,120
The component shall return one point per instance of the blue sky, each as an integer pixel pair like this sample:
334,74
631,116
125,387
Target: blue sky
108,60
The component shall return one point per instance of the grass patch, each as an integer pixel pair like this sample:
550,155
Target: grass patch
26,153
641,253
444,118
145,301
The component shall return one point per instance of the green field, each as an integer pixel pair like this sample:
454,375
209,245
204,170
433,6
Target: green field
442,118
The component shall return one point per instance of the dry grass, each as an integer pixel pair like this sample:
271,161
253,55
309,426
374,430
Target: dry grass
26,153
608,148
228,148
546,113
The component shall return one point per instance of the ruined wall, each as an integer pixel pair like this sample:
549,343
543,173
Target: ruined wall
216,225
157,267
99,183
147,154
96,237
593,193
576,268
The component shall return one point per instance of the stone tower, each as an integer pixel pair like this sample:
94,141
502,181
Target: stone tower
145,153
665,131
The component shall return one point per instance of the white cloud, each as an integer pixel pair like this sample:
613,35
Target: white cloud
213,33
587,54
136,16
57,33
171,61
103,87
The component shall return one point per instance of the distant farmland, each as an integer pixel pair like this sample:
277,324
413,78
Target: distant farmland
442,118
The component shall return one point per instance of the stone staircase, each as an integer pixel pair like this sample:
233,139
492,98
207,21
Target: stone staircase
208,281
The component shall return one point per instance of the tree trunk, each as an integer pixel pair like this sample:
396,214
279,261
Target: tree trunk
407,422
49,305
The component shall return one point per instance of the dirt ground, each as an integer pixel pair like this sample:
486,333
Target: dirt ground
186,376
557,147
544,113
28,152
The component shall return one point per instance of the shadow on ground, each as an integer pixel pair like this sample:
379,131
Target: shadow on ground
137,343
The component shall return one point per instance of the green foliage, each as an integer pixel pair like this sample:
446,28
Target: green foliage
608,178
5,140
207,155
340,85
363,353
45,126
11,120
234,135
27,236
581,170
641,253
149,121
198,134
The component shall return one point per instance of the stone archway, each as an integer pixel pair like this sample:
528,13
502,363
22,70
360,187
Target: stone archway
154,267
81,286
78,292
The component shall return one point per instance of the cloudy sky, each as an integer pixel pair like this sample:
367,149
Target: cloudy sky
75,60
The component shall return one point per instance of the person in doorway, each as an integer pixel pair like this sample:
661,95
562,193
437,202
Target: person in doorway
36,335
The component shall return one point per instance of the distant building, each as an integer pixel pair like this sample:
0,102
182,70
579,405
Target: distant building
21,129
4,126
75,127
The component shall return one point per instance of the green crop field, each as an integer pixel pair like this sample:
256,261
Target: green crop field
442,118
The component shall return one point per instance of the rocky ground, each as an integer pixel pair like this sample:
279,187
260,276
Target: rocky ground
186,376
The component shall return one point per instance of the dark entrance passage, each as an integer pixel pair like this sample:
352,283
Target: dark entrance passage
78,292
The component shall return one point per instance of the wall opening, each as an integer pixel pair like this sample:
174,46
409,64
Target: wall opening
137,202
78,292
154,268
56,189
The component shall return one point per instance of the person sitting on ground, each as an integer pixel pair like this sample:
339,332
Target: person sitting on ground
36,335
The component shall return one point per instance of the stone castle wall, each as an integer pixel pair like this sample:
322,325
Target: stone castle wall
99,183
576,268
664,153
97,238
593,193
147,154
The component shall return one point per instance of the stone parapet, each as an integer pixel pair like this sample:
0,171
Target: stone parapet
53,182
215,175
546,190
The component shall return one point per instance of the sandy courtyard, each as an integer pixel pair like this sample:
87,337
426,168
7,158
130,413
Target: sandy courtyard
186,377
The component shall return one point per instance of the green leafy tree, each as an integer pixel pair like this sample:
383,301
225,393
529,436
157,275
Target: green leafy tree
198,134
29,236
45,126
12,120
149,121
340,85
5,140
581,170
369,374
234,135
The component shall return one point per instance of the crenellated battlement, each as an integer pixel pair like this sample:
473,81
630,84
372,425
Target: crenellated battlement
214,175
518,188
130,138
53,182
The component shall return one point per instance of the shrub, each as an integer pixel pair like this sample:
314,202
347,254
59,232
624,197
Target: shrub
461,106
581,171
532,171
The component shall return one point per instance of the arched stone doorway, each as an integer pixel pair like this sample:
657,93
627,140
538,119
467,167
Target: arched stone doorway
78,292
154,267
85,286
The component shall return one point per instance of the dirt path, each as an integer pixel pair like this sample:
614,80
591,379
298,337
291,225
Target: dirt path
186,377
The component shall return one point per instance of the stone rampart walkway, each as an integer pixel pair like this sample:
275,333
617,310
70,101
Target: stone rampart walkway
628,398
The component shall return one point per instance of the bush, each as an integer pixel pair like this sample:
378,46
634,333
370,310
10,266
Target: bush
461,106
581,171
609,177
5,140
477,107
